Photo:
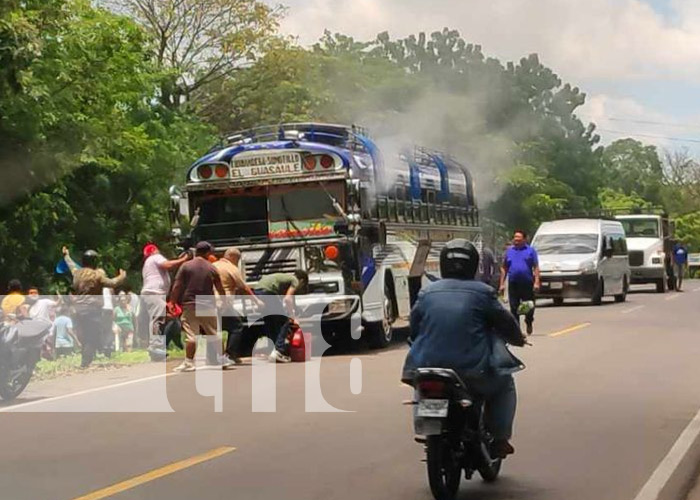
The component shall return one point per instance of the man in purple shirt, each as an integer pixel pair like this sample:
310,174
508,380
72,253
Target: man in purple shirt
521,267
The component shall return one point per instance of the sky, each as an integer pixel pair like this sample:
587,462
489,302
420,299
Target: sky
637,60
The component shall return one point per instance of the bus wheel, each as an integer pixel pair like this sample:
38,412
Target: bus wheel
380,333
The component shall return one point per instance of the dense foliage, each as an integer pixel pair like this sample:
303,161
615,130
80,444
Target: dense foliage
100,111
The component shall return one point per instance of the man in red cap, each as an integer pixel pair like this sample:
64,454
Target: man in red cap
156,285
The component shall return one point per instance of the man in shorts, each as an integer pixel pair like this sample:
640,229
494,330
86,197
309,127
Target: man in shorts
193,290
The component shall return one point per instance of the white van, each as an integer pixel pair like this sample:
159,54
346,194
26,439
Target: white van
582,258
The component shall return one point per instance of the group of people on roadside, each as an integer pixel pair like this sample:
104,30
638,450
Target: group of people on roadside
30,304
192,294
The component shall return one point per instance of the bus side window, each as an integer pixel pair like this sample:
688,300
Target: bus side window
393,206
424,217
400,206
382,207
415,208
431,206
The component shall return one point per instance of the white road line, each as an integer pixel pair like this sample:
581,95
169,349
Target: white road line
672,297
82,393
696,290
664,471
629,311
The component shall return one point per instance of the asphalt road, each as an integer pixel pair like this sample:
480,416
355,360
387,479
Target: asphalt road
606,393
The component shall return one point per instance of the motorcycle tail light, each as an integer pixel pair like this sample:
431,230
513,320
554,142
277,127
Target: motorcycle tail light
431,388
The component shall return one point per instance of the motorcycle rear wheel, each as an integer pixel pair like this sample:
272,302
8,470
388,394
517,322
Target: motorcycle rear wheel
12,386
444,471
489,472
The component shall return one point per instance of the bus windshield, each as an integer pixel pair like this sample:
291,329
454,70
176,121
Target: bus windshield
641,228
278,212
303,203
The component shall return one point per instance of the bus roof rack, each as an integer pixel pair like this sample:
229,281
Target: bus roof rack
338,135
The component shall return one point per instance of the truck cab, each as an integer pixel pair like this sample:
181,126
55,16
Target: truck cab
648,240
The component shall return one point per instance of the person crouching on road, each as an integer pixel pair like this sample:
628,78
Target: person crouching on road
455,323
88,284
284,286
193,290
522,270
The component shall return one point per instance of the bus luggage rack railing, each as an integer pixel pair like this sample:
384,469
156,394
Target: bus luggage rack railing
424,156
418,212
338,135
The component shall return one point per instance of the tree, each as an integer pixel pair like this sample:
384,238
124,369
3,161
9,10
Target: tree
57,108
530,197
682,182
632,167
611,199
86,159
197,42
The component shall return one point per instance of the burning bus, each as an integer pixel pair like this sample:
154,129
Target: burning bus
323,198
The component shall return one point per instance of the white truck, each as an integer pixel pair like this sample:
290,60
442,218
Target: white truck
649,242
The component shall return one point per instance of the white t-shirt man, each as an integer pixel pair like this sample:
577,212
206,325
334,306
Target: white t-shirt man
156,280
43,309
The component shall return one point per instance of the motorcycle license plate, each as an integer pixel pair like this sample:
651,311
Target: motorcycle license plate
433,408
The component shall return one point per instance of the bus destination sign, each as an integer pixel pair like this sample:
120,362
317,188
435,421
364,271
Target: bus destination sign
267,165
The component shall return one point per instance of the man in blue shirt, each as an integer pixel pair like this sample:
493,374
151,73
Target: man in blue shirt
522,269
680,261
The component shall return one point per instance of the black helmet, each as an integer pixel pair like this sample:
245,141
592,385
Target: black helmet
459,259
90,259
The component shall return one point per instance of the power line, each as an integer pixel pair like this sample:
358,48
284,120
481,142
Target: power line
649,136
645,122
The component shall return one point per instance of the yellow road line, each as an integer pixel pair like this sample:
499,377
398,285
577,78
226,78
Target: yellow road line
156,474
570,330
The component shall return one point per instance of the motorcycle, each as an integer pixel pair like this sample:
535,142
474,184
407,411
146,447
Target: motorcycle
449,422
20,351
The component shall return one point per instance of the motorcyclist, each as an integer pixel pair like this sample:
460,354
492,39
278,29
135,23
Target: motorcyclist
457,323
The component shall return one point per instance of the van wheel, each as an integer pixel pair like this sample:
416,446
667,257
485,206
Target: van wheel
661,285
597,298
380,333
623,296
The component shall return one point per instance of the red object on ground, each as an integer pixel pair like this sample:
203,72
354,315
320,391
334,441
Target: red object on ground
300,345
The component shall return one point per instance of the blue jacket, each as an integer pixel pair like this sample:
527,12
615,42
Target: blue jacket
458,324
